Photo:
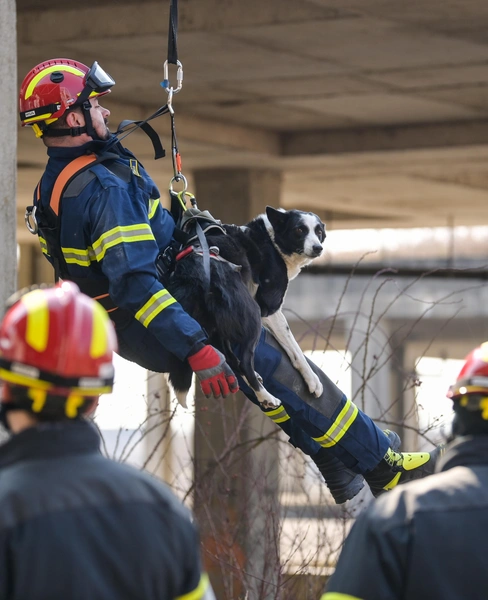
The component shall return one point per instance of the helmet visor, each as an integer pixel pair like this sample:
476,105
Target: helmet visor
98,80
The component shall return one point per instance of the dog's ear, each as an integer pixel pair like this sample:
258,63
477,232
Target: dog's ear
275,217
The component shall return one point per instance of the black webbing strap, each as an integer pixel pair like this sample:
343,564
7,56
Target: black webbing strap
173,31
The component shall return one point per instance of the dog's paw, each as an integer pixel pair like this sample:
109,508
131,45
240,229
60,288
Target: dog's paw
274,403
315,386
267,400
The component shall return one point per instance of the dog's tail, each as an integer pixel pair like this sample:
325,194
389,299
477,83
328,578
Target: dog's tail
180,377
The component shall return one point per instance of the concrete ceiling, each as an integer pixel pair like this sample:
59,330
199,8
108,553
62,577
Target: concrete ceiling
375,111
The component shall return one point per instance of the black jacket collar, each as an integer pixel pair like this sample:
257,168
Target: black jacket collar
50,440
465,451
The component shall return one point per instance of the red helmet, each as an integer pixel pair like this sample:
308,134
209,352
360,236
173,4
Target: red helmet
472,382
58,341
53,86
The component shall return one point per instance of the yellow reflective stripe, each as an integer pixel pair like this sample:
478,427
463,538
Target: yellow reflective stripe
340,426
38,117
153,207
37,326
24,380
338,596
27,381
278,415
156,303
35,80
79,256
121,234
198,592
43,243
99,339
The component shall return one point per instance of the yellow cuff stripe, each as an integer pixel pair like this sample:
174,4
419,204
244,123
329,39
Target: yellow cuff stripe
340,426
278,415
122,234
198,592
156,303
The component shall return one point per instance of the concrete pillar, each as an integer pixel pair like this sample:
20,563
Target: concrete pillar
157,430
237,195
372,385
236,466
8,149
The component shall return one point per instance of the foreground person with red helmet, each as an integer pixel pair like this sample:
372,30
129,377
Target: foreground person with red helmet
74,524
427,539
105,229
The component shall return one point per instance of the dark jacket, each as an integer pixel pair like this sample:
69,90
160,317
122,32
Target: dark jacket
427,539
75,525
113,228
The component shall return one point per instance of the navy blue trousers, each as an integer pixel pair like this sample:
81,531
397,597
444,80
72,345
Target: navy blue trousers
330,421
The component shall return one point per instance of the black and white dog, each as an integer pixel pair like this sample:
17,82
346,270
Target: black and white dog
250,267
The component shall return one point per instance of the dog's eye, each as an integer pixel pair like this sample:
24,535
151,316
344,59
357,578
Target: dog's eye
319,233
298,231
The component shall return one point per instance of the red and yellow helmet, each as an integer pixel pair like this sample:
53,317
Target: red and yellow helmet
471,386
54,86
58,341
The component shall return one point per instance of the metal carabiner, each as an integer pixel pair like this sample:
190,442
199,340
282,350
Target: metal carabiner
179,76
179,177
30,213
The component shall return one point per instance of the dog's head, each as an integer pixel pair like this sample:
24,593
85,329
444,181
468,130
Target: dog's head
297,232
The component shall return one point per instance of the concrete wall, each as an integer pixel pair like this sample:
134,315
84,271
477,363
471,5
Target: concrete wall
8,148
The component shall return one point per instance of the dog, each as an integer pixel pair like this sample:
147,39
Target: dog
250,268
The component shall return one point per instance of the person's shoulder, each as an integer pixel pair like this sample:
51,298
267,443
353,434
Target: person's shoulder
438,492
149,486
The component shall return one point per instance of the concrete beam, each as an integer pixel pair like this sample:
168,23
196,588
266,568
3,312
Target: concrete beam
391,139
146,18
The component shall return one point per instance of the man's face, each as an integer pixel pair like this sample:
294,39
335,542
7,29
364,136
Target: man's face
99,116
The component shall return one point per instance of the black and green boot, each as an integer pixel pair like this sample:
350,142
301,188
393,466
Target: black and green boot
343,483
399,467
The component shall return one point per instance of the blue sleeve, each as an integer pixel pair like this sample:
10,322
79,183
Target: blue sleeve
125,246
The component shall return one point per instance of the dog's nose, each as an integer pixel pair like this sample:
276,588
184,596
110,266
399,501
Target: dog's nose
317,250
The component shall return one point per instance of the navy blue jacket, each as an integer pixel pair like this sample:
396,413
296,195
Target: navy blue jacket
76,525
114,229
424,539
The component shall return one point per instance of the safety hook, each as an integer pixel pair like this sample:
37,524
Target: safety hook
177,178
30,219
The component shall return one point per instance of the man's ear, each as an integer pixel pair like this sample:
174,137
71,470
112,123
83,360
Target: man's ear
75,119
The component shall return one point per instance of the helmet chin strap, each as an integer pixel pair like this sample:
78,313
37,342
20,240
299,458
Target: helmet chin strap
75,131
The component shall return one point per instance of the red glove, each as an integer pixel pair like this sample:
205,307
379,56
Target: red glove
215,375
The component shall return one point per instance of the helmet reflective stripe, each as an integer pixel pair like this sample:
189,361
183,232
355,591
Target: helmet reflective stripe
37,326
483,352
99,340
32,85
